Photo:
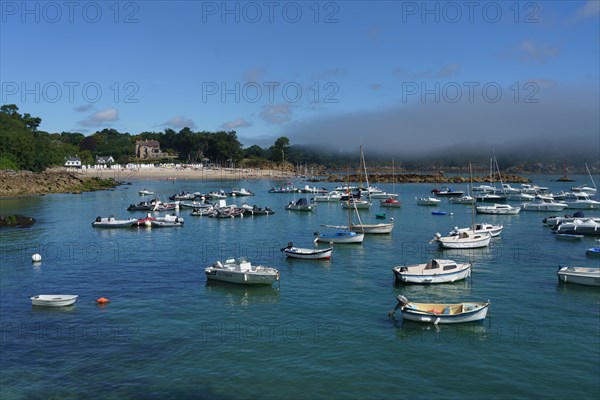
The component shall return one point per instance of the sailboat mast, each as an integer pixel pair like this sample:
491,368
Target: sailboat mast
362,159
473,202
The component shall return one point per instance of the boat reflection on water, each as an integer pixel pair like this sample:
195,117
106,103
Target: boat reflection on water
243,295
470,332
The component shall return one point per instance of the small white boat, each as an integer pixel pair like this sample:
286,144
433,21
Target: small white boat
330,197
490,198
499,209
356,203
301,205
441,313
464,240
111,222
493,230
427,201
53,300
434,271
146,192
340,237
241,193
580,276
465,199
241,271
307,254
520,197
381,228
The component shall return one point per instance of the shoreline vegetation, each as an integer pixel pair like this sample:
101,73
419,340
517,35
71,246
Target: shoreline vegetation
76,181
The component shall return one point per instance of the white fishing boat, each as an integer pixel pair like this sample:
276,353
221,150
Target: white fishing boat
498,209
434,271
581,201
490,198
494,230
520,197
111,222
543,205
427,201
441,313
146,192
579,275
241,192
307,254
241,271
53,300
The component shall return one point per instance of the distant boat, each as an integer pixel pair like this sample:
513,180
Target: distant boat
493,230
593,252
584,188
447,192
464,240
581,200
501,209
465,199
381,228
111,222
390,202
434,271
441,313
301,205
307,254
544,205
580,276
341,236
427,201
580,227
146,192
53,300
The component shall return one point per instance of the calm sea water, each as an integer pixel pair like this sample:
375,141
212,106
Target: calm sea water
322,333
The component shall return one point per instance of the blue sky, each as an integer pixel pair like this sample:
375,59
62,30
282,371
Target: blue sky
386,73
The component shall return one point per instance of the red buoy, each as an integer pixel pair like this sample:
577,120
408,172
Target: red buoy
102,300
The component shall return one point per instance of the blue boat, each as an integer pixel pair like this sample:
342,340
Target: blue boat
439,213
341,236
593,252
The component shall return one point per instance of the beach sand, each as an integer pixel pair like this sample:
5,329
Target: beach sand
162,173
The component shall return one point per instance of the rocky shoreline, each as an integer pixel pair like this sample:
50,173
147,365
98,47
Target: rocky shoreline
20,183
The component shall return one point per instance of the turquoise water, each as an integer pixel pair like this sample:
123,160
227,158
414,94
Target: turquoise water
322,333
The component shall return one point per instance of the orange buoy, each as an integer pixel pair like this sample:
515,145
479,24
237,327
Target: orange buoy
102,300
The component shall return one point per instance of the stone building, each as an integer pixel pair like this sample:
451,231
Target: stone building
148,149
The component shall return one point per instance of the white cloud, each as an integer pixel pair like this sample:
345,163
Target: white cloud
589,10
100,118
179,122
277,113
238,123
528,51
84,108
254,74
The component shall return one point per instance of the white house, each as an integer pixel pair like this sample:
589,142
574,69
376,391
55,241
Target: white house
105,160
73,162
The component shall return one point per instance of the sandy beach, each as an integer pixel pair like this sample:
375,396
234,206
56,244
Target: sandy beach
174,173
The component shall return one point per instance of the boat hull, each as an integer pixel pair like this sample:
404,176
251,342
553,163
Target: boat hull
53,300
410,277
341,238
477,314
308,254
242,278
373,228
457,243
580,276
